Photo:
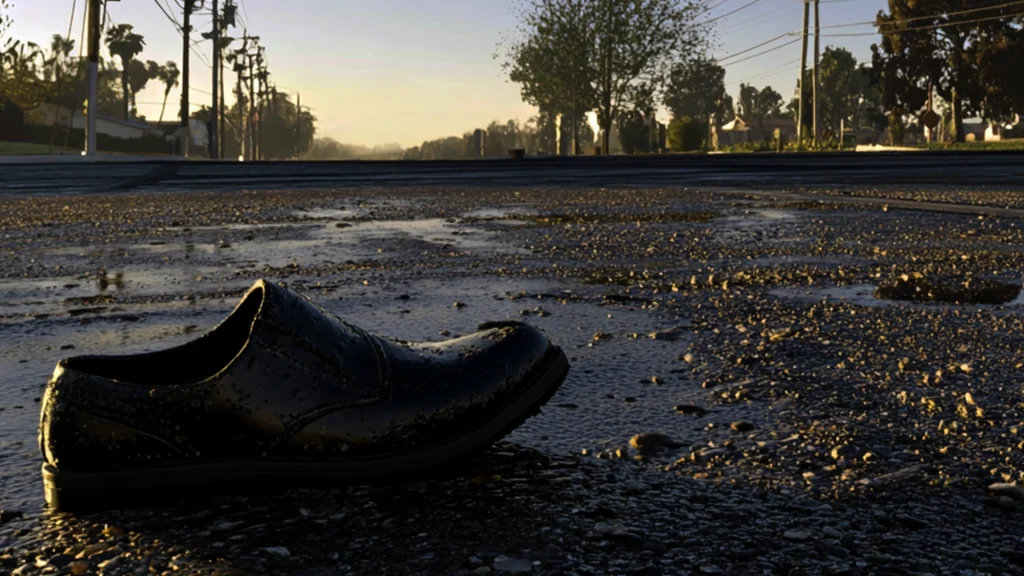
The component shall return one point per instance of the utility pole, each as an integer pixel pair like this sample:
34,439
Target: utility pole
250,117
220,89
298,122
243,126
215,110
94,62
803,70
186,36
817,58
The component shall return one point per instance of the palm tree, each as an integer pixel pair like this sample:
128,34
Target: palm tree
25,59
60,50
139,75
168,74
126,45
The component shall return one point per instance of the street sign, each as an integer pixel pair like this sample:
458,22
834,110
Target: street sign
930,119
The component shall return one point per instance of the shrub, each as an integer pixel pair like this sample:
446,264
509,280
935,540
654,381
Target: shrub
685,135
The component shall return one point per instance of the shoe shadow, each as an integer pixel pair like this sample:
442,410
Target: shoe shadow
507,501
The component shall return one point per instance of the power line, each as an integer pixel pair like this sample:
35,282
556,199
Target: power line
759,19
730,13
931,17
763,52
929,27
765,73
192,43
752,48
245,12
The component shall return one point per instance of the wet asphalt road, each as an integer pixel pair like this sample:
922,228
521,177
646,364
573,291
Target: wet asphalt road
750,170
818,430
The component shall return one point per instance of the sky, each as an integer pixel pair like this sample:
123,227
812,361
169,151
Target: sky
405,71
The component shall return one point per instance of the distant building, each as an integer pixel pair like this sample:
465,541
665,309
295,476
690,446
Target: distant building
198,131
47,114
739,131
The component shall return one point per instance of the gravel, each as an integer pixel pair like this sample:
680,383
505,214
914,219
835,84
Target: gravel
795,423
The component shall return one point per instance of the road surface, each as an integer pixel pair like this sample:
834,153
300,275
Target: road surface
746,171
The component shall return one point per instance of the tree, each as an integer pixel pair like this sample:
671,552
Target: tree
756,105
696,89
139,75
285,133
1000,58
126,45
844,86
584,134
685,134
637,40
634,132
554,63
5,24
168,74
621,50
57,63
937,44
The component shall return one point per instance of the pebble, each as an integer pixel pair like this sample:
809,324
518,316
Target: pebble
279,551
690,409
1005,489
512,565
796,535
652,442
831,532
741,426
635,487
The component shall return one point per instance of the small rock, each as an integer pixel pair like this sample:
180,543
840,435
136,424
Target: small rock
635,487
459,305
669,334
10,515
78,568
741,426
652,442
512,565
796,535
1009,490
831,532
482,571
690,409
279,551
60,560
844,451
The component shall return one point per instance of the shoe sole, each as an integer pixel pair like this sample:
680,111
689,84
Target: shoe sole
75,491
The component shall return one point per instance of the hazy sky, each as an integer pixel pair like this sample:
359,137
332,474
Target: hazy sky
405,71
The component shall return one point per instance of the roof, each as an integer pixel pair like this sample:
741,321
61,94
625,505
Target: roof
129,123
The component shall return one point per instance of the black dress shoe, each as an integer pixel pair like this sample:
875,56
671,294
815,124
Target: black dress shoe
282,390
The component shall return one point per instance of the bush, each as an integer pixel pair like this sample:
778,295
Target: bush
685,135
747,147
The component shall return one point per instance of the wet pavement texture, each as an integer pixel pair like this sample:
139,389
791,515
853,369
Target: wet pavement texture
792,422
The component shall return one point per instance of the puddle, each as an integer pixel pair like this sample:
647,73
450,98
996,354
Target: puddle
860,294
432,230
61,295
755,222
916,287
503,213
329,213
864,295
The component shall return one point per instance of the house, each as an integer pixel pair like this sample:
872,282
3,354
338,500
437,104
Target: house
48,114
740,131
199,132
